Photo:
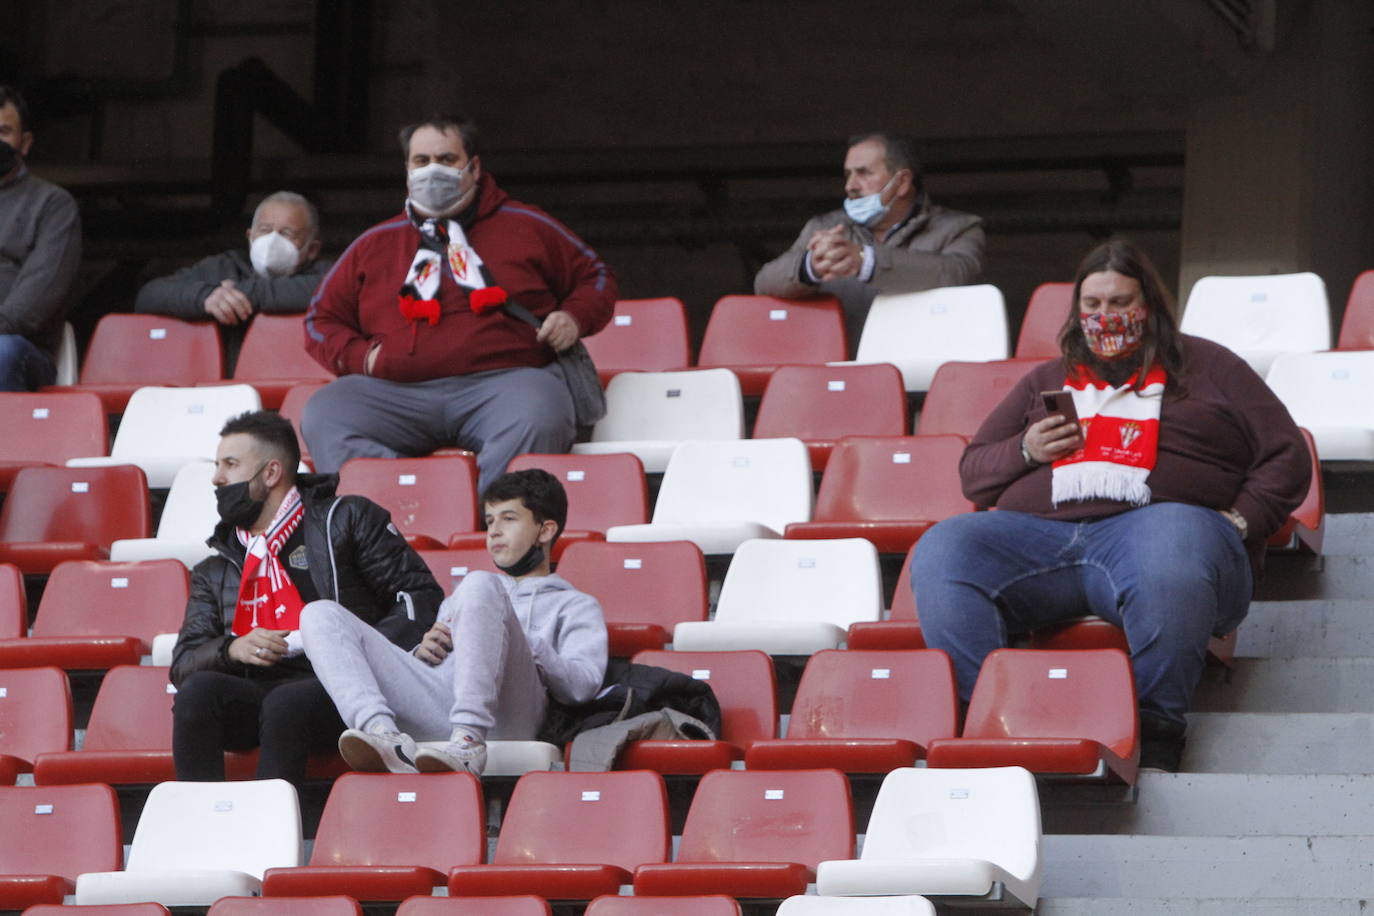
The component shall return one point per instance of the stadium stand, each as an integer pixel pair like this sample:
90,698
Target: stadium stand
57,514
753,335
429,499
52,835
644,335
821,404
47,428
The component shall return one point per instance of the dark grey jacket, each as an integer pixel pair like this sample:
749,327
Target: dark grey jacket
355,556
40,251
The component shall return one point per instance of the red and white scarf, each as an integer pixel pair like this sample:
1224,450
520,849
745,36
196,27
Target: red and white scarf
267,596
1121,438
421,285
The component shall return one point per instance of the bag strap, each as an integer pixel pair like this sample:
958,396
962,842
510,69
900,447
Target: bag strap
519,312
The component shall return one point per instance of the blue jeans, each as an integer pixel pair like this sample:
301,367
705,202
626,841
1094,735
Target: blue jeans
23,366
1170,575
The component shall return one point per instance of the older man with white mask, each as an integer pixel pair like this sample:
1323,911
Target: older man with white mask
414,319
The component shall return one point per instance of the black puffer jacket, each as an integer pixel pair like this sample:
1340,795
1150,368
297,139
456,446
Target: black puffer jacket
355,556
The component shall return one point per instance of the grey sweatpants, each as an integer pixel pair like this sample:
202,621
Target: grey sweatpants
488,685
497,414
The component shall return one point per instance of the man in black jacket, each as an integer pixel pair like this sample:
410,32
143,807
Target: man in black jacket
283,541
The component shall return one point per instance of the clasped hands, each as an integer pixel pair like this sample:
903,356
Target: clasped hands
833,255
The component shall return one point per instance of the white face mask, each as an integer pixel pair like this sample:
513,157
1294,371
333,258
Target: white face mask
870,208
437,188
273,255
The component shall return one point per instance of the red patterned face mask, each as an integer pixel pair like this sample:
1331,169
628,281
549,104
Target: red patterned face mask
1112,335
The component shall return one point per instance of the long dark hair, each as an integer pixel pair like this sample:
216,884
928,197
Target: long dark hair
1161,336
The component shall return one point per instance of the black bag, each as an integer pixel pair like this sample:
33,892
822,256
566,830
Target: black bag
578,371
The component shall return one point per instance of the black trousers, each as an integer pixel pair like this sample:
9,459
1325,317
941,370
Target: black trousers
214,712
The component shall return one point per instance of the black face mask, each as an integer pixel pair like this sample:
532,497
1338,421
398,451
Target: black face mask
9,158
236,504
523,566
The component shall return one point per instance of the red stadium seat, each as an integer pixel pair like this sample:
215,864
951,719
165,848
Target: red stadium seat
293,407
1046,313
429,498
821,404
128,352
386,836
35,717
57,514
523,905
129,737
757,834
745,688
14,603
644,335
1052,712
100,909
901,629
864,712
603,490
96,614
715,905
963,394
644,589
273,358
284,906
48,428
1306,526
51,835
1357,327
1096,633
450,566
572,836
754,335
888,489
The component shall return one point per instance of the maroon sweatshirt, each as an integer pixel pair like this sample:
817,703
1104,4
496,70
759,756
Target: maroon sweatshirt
1228,442
536,259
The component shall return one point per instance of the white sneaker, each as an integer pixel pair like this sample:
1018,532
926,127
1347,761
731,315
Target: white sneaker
467,755
378,752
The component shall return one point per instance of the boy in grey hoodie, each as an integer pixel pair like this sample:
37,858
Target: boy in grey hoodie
500,646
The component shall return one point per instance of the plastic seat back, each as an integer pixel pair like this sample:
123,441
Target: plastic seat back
451,566
63,831
830,581
644,335
95,598
285,906
152,350
35,713
1046,313
697,404
99,909
48,427
390,819
806,905
1328,394
963,394
603,490
802,816
190,513
1259,317
743,684
132,711
293,408
893,478
990,814
1357,326
78,505
821,404
1079,693
916,332
430,497
644,588
179,422
637,905
753,335
520,905
549,814
247,827
849,693
274,348
767,481
14,605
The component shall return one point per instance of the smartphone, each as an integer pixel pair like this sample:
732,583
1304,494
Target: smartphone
1059,402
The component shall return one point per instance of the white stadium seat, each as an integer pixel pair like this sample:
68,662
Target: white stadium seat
1260,317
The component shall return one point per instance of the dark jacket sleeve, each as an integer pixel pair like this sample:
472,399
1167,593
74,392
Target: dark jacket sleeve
203,639
394,577
284,295
183,293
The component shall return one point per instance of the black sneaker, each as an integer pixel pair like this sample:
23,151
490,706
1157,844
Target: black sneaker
1161,742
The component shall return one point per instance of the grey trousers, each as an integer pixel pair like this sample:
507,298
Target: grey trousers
497,414
488,685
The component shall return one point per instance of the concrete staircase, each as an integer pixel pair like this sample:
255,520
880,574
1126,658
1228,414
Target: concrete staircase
1274,810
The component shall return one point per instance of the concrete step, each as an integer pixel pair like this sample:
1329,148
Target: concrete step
1288,685
1348,534
1293,578
1236,868
1323,627
1278,743
1173,906
1226,805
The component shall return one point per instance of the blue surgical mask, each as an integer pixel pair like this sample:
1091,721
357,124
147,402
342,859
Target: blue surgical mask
869,209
